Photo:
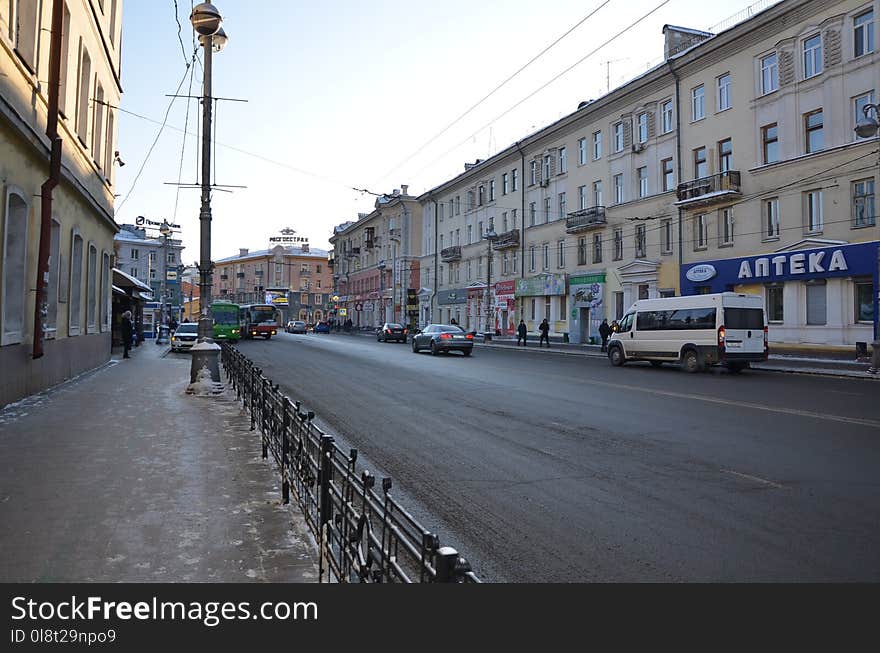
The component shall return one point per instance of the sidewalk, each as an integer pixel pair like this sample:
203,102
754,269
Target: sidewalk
119,476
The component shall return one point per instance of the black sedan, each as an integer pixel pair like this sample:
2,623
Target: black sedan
391,331
443,338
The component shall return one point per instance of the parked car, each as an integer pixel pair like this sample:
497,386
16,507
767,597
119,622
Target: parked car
185,336
296,326
322,327
443,338
391,331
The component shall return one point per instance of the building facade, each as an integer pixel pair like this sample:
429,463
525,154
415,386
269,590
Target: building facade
78,308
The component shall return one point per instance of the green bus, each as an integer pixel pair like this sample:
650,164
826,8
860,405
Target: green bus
226,324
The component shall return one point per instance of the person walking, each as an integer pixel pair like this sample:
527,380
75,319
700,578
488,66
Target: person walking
615,327
127,329
544,328
521,332
605,331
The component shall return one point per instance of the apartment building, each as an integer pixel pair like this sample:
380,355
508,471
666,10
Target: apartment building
77,319
296,279
376,262
779,195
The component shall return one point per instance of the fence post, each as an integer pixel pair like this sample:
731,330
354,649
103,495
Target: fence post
326,472
285,449
252,383
264,438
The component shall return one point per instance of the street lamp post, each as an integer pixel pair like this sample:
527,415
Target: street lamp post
206,21
165,230
381,267
490,237
865,128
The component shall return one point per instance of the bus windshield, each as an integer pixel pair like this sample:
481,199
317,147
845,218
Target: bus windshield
225,314
262,314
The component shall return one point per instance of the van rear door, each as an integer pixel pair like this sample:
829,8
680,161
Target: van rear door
744,330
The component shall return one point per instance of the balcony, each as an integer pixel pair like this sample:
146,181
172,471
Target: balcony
507,240
448,254
353,251
714,189
592,217
239,275
224,277
305,273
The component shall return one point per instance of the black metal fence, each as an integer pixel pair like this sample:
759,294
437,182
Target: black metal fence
363,534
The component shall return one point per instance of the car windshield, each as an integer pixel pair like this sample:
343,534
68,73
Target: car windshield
446,328
187,328
390,325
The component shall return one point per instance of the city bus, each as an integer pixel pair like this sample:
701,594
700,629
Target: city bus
226,324
258,320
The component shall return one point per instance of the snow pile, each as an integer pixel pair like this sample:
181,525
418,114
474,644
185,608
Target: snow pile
204,385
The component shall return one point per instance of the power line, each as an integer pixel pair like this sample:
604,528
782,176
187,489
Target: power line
494,90
179,38
192,71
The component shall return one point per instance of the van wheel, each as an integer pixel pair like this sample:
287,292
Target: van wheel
615,355
656,363
690,361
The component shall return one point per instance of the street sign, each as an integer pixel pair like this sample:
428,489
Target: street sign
335,298
343,312
358,307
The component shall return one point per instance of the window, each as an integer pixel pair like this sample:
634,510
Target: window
492,190
643,181
725,155
582,251
617,135
582,151
561,205
545,167
441,208
666,236
92,290
698,103
481,194
547,308
859,104
534,304
597,248
618,305
618,189
171,257
813,124
457,205
701,231
563,160
582,197
532,214
773,293
618,244
548,207
15,244
597,146
134,272
23,20
863,33
451,208
83,94
135,254
813,211
643,294
770,143
771,218
54,270
505,264
816,302
98,127
76,272
863,203
105,291
725,227
546,258
701,167
471,200
597,193
724,98
642,122
514,178
864,300
533,173
667,175
812,56
769,73
560,254
666,117
532,258
681,319
505,187
640,240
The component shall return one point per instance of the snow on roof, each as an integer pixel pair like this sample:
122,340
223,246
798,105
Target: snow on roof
288,251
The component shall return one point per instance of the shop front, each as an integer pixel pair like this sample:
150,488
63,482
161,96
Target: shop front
586,295
506,318
543,296
813,295
451,305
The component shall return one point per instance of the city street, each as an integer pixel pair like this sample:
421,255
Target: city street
548,468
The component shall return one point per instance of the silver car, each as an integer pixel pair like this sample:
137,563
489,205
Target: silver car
443,338
184,336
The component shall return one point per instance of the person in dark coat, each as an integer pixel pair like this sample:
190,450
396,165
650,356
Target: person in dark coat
605,331
544,328
127,329
521,333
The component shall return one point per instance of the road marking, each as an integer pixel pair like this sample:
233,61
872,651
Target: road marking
763,481
747,404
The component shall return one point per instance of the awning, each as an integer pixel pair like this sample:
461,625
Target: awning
122,279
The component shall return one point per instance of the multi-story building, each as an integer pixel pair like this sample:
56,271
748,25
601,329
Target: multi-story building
376,262
737,150
151,260
295,279
77,320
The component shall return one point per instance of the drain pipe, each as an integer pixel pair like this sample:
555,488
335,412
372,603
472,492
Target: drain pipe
678,167
41,300
522,219
436,257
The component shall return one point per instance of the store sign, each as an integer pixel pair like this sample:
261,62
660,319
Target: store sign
141,221
452,297
277,297
541,285
587,295
286,237
702,272
793,264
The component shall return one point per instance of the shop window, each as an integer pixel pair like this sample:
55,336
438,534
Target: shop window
816,302
864,300
774,296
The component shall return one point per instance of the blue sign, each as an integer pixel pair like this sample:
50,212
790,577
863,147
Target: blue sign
859,259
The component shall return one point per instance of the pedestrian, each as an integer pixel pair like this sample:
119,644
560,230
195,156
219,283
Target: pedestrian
544,328
605,331
615,327
127,329
521,333
173,324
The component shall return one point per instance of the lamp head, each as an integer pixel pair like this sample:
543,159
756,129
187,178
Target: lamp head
205,19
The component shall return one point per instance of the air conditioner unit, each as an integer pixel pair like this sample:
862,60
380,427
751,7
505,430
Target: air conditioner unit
638,147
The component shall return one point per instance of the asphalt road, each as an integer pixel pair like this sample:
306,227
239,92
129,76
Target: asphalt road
551,468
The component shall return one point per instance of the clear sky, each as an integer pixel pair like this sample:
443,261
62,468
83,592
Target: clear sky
340,93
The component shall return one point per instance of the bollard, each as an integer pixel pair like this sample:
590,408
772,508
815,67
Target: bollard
445,565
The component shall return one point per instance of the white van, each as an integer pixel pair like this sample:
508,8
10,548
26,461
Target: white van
695,331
